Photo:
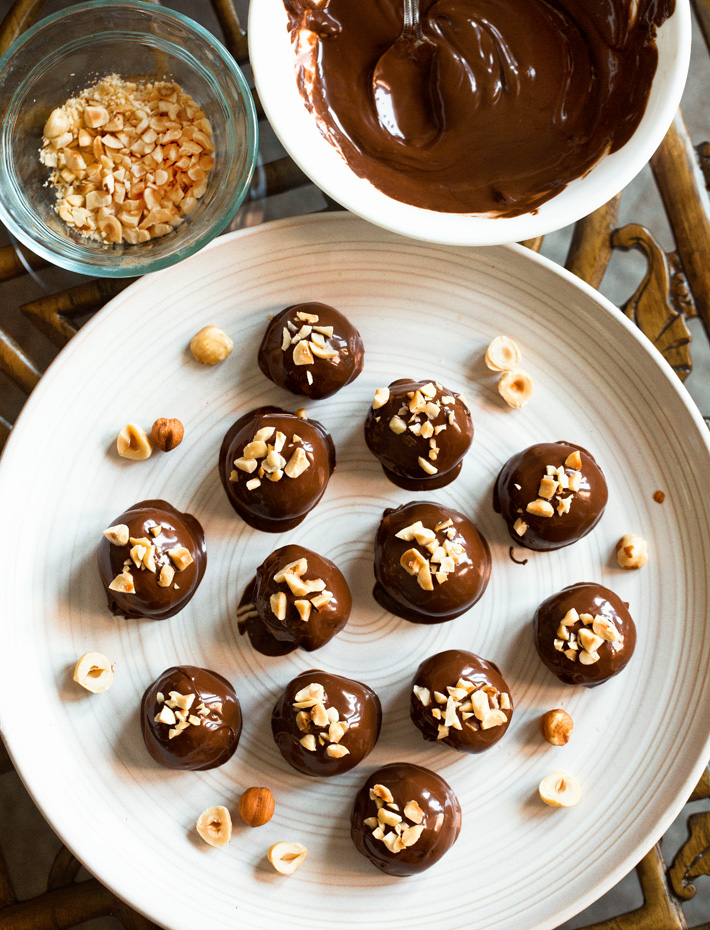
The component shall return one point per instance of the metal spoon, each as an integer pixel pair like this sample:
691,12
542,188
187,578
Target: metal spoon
402,84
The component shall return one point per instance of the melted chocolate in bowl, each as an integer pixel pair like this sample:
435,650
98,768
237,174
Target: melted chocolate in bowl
522,98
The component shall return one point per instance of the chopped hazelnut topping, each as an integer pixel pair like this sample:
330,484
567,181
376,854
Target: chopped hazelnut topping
520,527
322,600
166,576
297,464
181,557
540,508
117,535
123,583
252,484
397,425
423,694
427,466
308,742
574,460
303,608
278,604
337,750
302,354
299,567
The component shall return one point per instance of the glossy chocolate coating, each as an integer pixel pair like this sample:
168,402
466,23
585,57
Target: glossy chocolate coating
526,469
444,670
272,636
356,704
150,599
441,821
328,374
399,453
502,107
585,598
277,506
197,747
400,593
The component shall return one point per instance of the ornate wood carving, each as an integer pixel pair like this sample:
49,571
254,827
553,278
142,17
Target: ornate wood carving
651,307
693,859
590,249
52,315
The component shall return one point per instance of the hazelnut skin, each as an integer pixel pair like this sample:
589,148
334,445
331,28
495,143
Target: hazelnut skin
167,434
556,726
256,806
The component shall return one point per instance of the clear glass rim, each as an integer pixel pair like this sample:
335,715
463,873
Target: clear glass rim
87,265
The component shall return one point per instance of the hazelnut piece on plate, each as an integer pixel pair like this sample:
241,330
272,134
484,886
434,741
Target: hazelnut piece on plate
556,726
167,434
94,672
287,857
631,551
560,789
502,354
215,826
256,806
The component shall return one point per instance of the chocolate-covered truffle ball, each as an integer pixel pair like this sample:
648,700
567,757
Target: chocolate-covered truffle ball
550,495
275,467
325,724
431,563
412,796
584,634
420,432
460,699
151,560
298,598
191,719
311,349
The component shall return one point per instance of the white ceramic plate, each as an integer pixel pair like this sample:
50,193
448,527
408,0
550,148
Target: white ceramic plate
274,67
425,311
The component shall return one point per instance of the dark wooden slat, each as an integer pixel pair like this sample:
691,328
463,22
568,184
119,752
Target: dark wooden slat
11,265
702,13
18,366
60,909
277,177
685,198
235,37
591,248
5,428
21,16
52,314
702,789
64,870
7,893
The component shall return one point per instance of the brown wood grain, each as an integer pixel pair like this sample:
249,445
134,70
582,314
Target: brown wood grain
52,315
687,206
17,365
591,249
235,37
702,13
21,16
11,265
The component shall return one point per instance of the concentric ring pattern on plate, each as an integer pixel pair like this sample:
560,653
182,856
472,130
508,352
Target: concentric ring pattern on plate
424,311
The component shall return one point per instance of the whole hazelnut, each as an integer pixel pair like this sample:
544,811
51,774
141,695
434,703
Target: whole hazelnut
631,551
167,434
256,806
557,726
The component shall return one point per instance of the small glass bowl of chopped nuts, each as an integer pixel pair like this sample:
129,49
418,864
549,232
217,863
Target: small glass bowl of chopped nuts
128,138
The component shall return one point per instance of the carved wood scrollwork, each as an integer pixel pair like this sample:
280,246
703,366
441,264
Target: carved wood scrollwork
651,307
693,859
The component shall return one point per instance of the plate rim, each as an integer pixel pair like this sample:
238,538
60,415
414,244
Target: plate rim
24,421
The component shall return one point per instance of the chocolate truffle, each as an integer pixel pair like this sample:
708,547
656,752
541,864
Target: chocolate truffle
584,634
431,563
550,495
420,432
191,719
460,699
151,560
275,467
412,796
325,724
311,349
298,598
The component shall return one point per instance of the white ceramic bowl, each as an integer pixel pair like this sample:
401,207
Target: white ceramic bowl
273,65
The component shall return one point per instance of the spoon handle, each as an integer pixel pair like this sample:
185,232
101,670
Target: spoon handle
411,18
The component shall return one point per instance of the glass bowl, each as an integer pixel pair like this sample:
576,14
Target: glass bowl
71,50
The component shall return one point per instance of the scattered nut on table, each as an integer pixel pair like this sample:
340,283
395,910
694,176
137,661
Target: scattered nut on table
556,726
215,826
515,387
167,434
287,857
560,789
211,345
502,354
94,672
631,551
133,443
256,806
